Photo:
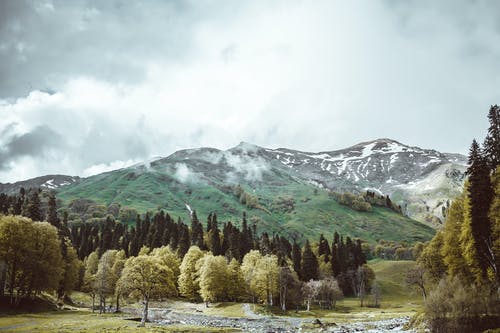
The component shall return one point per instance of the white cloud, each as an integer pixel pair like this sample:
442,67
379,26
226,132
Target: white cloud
105,167
305,75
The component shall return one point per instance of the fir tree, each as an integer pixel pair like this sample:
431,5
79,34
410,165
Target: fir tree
196,231
324,248
297,258
492,140
184,241
480,196
214,236
33,206
52,211
309,264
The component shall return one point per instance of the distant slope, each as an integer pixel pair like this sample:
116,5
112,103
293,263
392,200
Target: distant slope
49,182
205,179
391,277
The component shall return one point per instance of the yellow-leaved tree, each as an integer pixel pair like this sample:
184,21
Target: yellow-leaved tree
188,283
213,278
31,253
147,277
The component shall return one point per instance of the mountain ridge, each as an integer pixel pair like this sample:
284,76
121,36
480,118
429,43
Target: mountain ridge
421,180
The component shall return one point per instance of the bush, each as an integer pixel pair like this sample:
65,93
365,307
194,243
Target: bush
455,307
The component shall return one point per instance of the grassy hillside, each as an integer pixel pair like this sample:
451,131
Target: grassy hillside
284,204
391,276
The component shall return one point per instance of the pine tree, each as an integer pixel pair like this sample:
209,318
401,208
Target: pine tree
33,206
214,237
309,264
324,248
246,237
297,258
52,211
184,241
106,241
196,231
480,195
492,140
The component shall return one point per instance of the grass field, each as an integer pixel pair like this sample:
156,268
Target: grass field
87,322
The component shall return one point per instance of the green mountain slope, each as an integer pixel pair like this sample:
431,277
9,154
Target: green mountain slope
276,200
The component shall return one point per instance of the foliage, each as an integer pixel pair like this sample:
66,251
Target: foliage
147,277
31,252
188,284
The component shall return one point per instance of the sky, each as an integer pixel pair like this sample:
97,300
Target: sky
90,86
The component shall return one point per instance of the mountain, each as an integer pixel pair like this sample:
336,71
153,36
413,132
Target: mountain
421,180
282,190
49,182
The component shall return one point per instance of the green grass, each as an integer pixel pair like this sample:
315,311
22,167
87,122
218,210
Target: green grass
397,299
315,212
86,322
391,276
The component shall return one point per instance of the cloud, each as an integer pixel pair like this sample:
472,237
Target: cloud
184,174
34,143
121,81
105,167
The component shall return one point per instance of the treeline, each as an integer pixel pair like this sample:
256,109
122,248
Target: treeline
217,266
461,264
364,202
340,261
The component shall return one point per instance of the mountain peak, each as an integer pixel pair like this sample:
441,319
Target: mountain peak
246,147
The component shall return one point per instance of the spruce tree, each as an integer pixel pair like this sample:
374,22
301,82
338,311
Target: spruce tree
324,248
52,211
309,264
33,210
196,231
214,236
297,258
492,140
184,240
480,196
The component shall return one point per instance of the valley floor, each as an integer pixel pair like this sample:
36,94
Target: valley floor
179,316
398,305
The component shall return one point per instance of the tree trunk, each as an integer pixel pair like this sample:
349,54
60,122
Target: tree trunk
117,303
308,305
93,303
145,312
12,281
283,301
3,279
424,293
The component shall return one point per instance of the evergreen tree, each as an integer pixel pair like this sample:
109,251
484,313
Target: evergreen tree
246,236
492,140
33,210
52,211
297,258
184,241
324,248
309,264
214,236
196,231
480,195
106,240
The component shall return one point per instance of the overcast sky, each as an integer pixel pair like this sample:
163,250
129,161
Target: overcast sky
88,86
